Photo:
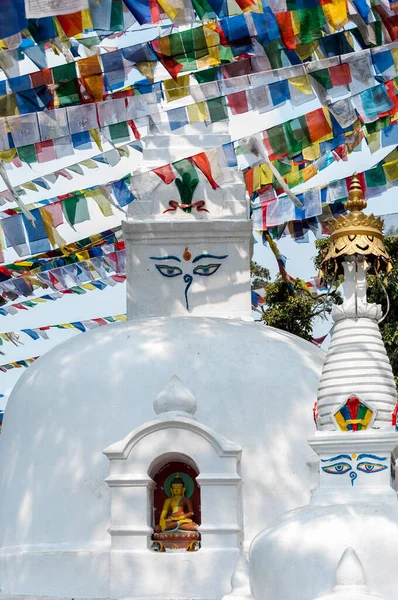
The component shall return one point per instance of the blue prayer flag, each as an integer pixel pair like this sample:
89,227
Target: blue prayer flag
122,193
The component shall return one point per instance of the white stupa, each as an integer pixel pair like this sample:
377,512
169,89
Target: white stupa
355,504
189,378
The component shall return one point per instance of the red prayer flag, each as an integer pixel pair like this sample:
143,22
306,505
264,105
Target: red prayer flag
340,74
134,129
72,24
154,9
238,103
100,321
317,124
244,3
45,151
202,162
165,173
284,20
249,181
44,77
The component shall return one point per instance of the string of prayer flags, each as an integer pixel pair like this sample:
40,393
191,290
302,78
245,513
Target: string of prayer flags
38,333
99,284
25,362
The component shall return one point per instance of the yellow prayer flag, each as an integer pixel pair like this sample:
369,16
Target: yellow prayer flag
90,164
85,255
292,179
304,51
313,152
336,13
262,176
120,317
88,286
164,45
176,89
169,9
96,137
2,240
8,105
308,172
295,23
86,20
391,170
40,300
8,155
373,140
29,185
51,231
68,325
394,54
302,83
147,69
102,200
197,112
212,59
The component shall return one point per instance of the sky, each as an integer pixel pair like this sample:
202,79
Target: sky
112,301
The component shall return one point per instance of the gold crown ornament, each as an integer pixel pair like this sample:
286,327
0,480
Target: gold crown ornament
357,233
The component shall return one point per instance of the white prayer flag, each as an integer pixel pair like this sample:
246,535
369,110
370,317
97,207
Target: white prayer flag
37,9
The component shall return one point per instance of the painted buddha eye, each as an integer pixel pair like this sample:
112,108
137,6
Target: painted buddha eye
206,270
370,467
168,270
337,469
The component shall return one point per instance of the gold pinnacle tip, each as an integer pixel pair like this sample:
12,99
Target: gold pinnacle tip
355,201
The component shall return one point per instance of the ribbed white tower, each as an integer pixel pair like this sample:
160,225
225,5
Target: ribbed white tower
356,361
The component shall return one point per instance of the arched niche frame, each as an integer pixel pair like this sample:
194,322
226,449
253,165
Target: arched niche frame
133,462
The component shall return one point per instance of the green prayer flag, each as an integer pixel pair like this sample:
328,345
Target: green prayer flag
202,8
68,93
311,22
323,78
75,209
119,133
283,167
276,136
375,177
378,125
64,72
207,75
117,20
226,55
273,50
76,289
29,303
295,145
217,109
27,153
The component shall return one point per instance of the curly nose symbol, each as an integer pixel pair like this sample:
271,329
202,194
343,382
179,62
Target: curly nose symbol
188,280
353,477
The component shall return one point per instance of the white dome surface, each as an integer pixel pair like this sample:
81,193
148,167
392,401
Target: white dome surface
308,542
253,384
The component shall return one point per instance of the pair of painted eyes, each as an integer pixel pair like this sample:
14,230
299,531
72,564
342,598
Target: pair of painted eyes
341,468
203,270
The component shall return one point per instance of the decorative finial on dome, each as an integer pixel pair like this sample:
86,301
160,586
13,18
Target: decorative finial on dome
357,234
175,397
350,575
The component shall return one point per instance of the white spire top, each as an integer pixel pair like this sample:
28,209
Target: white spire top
175,397
350,573
350,580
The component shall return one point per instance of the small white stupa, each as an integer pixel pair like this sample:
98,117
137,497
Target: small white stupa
355,504
139,460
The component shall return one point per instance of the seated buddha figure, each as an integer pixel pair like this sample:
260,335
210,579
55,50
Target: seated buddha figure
177,510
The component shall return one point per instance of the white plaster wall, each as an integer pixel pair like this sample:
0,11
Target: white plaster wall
254,385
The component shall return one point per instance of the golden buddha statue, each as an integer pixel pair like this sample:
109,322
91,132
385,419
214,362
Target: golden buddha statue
177,510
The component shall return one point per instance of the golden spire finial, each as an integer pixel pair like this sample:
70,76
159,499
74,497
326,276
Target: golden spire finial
357,234
355,200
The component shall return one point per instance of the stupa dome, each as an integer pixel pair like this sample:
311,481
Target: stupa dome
253,384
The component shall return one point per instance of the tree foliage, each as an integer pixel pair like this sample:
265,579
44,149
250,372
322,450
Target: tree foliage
293,312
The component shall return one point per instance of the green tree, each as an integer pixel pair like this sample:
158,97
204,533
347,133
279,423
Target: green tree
377,291
292,310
